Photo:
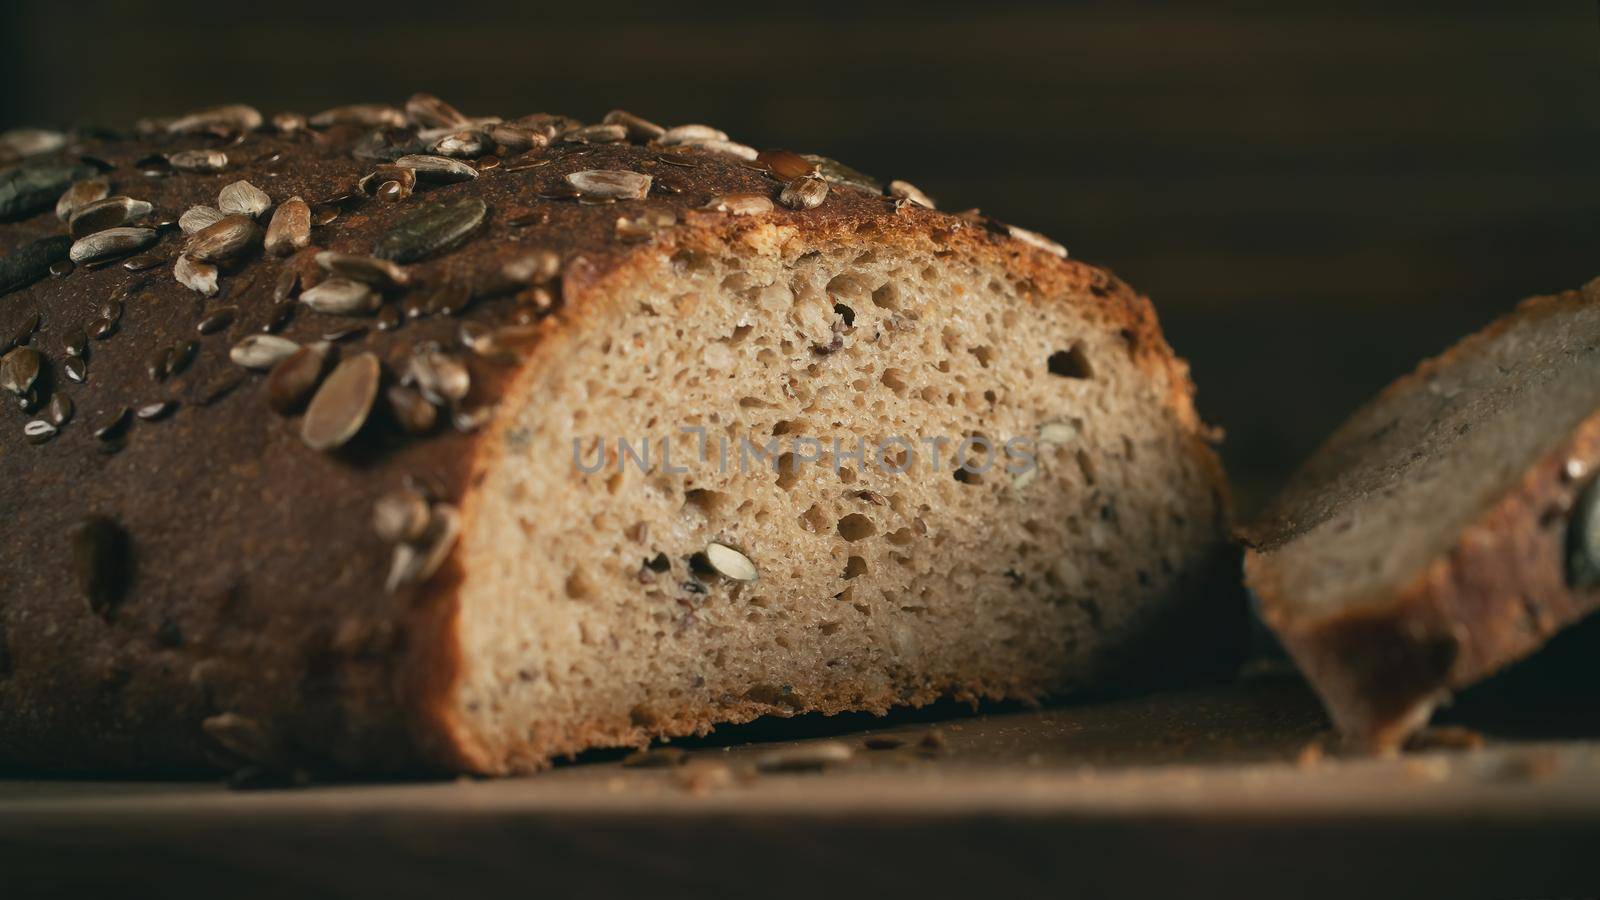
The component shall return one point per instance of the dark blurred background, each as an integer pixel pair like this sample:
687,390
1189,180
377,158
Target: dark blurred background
1314,193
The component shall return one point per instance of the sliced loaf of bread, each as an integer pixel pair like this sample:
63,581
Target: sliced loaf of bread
1448,527
463,443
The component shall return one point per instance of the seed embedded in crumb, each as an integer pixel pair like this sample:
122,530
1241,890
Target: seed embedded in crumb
730,563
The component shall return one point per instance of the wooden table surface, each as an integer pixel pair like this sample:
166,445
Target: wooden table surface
1217,791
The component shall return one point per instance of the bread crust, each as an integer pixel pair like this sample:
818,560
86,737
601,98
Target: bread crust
1495,596
258,582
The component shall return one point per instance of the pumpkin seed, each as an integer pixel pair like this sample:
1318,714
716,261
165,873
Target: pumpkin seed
262,351
430,230
101,559
31,187
342,404
32,261
290,228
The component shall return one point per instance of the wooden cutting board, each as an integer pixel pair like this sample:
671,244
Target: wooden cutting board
1219,791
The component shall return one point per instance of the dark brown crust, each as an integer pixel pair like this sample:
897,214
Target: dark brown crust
258,578
1496,596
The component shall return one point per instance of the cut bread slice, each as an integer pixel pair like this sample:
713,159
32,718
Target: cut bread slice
1426,544
1051,516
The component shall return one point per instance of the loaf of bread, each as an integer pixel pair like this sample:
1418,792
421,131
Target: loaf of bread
1448,527
395,439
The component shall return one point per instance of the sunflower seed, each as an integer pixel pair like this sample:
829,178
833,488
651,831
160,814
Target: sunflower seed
342,404
731,148
19,369
294,378
288,282
741,204
440,169
143,261
288,122
401,516
114,425
25,142
1035,239
31,187
108,213
195,275
413,413
262,351
374,115
905,190
440,376
687,134
610,184
391,182
110,243
428,111
340,296
199,218
279,317
290,228
645,225
198,160
510,140
595,134
32,262
810,757
216,320
347,331
804,193
223,239
638,129
100,558
155,412
430,230
380,273
59,412
243,199
462,144
82,192
839,173
414,563
232,118
730,563
37,431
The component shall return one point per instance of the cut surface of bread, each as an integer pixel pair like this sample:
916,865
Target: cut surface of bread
590,612
406,473
1424,545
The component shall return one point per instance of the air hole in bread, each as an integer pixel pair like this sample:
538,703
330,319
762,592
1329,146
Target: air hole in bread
1070,363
